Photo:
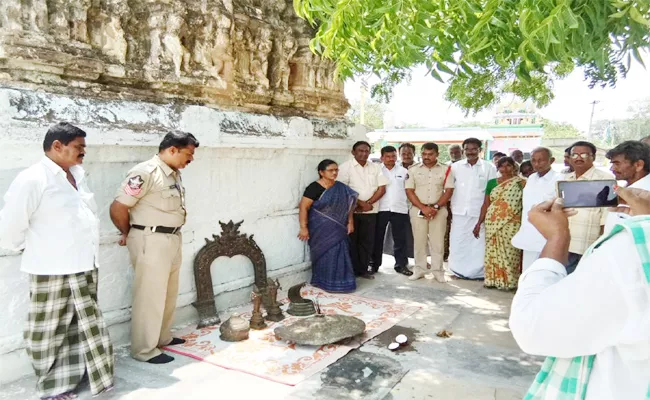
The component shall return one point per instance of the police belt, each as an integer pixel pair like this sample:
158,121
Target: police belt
159,229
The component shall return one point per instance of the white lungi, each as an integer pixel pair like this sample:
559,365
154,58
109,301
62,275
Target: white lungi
466,252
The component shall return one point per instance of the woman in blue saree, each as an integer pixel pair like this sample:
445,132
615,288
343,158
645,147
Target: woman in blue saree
326,221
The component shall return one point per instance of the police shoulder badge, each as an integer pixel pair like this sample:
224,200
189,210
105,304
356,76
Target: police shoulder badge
134,186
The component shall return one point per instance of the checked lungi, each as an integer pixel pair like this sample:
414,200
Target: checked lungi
66,334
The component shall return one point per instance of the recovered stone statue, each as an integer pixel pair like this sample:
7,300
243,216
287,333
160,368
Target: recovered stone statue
299,306
257,320
235,329
273,312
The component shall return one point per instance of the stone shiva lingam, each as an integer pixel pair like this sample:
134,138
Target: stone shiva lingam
297,305
235,329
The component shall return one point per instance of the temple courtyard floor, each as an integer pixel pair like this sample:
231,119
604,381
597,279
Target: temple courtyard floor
479,361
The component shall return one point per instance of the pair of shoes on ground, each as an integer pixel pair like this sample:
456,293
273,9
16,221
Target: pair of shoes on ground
438,275
163,358
398,268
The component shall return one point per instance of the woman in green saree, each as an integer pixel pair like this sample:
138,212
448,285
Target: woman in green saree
501,213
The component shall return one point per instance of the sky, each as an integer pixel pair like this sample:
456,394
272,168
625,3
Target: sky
422,100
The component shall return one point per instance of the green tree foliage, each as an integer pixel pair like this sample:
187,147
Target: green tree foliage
483,48
553,130
373,114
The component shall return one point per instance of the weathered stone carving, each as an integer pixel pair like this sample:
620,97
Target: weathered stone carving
211,47
11,15
251,53
261,48
284,47
175,52
68,19
243,41
230,243
106,32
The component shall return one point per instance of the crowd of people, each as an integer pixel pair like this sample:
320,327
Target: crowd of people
491,220
469,212
582,276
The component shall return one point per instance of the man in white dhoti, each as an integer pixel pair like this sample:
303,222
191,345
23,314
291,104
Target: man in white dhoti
540,187
471,175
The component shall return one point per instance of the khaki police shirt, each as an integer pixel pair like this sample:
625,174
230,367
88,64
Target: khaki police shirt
155,193
429,183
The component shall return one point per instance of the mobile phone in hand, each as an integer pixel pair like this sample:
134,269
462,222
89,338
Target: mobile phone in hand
579,194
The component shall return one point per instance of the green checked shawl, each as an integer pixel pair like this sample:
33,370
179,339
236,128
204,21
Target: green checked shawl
567,378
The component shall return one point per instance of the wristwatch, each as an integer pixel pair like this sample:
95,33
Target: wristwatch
436,207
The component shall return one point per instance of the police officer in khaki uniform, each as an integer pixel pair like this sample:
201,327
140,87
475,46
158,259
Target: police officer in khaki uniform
149,211
429,188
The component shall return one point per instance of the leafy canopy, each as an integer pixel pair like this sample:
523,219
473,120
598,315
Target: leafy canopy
483,48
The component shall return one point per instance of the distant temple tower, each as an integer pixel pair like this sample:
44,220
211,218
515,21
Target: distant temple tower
516,125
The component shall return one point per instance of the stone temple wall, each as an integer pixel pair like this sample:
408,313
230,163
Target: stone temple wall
238,75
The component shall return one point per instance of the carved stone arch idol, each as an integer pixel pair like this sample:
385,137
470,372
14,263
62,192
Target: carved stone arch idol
229,244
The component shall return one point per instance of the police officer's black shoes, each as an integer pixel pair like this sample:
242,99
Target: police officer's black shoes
403,270
161,359
176,341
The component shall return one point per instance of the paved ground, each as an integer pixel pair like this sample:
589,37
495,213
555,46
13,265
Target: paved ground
479,361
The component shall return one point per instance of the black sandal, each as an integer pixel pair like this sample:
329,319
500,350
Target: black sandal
403,271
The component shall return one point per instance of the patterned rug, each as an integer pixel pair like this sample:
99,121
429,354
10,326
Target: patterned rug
265,356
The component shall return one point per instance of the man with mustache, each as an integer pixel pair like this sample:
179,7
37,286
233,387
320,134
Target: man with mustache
466,251
586,225
630,163
50,213
149,211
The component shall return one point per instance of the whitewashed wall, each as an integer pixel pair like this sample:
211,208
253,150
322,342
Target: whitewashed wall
248,167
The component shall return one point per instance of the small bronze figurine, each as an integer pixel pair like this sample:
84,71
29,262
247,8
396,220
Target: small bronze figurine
257,321
273,312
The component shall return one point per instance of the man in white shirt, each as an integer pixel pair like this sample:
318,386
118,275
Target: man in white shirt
630,163
50,213
540,187
517,155
602,309
393,210
466,252
406,155
366,179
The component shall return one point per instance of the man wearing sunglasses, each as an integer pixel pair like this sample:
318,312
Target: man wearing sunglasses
587,225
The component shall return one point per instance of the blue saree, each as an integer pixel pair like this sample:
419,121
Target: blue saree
328,239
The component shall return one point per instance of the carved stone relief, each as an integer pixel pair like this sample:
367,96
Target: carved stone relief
252,53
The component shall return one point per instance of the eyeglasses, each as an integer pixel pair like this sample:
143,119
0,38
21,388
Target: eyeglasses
584,156
332,170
